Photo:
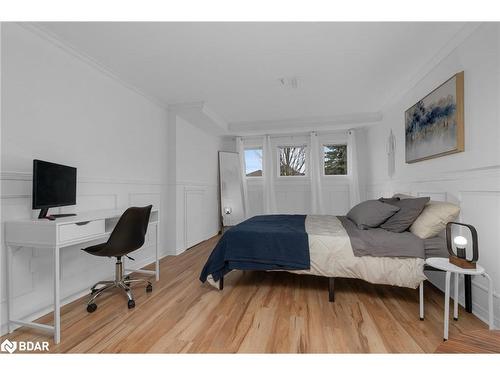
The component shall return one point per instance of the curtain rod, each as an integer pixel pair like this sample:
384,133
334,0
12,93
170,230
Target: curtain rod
301,134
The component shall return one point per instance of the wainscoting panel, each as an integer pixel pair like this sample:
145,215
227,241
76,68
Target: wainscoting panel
197,214
32,268
194,199
441,196
145,199
294,197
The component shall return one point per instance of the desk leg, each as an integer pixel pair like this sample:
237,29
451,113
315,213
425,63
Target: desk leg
157,262
10,288
490,302
455,298
446,305
57,301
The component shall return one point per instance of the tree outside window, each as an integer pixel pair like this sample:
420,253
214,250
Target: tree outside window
292,160
335,159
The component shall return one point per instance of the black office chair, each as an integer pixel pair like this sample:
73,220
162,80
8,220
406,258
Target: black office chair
128,235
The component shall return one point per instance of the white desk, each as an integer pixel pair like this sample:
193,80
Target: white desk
59,234
445,265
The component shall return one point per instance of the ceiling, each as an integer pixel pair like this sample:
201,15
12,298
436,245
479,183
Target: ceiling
343,69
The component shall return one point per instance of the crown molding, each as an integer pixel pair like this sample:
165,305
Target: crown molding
200,115
450,46
67,47
180,107
298,125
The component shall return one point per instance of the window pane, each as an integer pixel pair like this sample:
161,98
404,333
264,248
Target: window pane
253,162
335,157
292,161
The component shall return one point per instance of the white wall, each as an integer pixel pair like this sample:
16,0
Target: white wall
470,178
293,194
194,211
58,107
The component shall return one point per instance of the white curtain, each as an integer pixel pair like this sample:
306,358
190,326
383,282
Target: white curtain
352,150
316,190
269,193
240,148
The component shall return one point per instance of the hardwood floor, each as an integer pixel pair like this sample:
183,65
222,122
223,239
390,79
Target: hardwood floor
273,312
480,341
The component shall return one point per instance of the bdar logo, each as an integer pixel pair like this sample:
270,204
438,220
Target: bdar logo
8,346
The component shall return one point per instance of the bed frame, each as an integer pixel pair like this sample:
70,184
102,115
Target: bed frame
331,287
467,282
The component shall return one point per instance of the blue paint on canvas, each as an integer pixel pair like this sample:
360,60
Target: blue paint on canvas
430,125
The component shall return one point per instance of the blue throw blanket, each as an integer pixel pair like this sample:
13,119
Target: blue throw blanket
269,242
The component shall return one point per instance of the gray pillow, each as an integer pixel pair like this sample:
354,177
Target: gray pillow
372,213
389,200
409,210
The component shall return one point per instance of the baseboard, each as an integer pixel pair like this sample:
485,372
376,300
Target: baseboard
179,251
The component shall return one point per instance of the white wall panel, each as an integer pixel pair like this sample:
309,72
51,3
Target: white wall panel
194,217
193,214
478,195
470,178
58,107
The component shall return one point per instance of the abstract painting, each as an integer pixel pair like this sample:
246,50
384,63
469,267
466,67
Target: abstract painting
434,126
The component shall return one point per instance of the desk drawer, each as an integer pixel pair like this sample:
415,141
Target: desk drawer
70,232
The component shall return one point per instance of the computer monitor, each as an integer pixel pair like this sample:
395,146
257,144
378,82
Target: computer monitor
54,185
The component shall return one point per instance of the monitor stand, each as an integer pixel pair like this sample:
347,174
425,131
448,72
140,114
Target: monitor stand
44,214
62,215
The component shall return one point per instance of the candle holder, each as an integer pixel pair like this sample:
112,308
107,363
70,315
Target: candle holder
460,258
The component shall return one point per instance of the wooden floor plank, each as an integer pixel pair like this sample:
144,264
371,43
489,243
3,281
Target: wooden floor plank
480,341
273,312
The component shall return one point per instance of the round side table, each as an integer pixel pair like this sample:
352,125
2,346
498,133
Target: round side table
445,265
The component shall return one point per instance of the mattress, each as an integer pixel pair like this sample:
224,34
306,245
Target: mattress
331,255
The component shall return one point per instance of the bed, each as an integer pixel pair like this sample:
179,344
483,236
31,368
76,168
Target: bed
321,245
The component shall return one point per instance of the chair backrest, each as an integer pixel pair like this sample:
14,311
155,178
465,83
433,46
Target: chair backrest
130,231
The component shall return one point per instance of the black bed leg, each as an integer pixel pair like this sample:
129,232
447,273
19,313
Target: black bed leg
331,289
468,293
221,283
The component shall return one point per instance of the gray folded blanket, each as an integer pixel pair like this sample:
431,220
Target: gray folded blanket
378,242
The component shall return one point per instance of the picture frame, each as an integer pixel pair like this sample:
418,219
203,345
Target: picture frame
434,126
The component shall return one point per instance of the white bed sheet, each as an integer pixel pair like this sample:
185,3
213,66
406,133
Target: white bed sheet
332,256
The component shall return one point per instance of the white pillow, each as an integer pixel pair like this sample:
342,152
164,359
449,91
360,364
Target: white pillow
434,218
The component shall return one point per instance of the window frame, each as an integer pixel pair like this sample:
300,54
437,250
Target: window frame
306,163
261,148
338,143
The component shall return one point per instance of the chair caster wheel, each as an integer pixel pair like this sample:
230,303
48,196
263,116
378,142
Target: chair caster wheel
422,319
149,288
91,308
92,291
131,304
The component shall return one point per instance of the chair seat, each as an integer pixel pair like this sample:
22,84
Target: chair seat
96,249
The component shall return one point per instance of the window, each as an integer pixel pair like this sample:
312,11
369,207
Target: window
253,162
292,160
335,159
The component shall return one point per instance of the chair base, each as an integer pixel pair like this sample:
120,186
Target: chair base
121,282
